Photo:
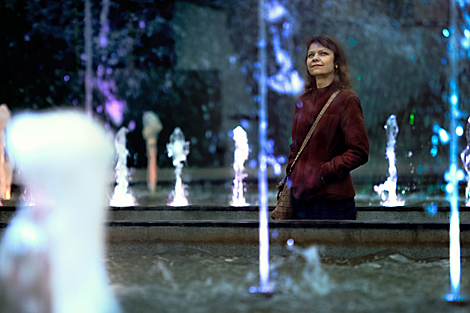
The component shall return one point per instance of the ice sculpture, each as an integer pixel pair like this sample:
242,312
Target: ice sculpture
151,128
240,156
387,190
51,255
178,149
121,196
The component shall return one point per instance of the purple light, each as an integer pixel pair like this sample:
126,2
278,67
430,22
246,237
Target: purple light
115,110
141,24
103,41
66,78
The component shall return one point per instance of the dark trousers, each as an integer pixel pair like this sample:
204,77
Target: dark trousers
321,209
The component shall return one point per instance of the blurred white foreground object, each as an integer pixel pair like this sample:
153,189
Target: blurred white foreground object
51,255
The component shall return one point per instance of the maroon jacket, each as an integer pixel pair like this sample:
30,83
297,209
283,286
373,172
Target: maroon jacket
338,145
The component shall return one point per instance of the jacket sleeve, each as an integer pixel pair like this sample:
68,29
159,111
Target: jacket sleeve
356,142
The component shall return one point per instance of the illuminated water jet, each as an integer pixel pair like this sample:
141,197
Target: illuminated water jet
387,190
121,196
178,149
240,156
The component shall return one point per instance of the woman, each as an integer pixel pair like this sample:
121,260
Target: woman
322,187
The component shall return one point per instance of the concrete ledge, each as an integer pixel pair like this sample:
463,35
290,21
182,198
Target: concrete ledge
190,213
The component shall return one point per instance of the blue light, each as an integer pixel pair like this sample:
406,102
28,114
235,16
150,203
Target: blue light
459,131
454,99
245,123
413,58
445,32
433,151
443,61
419,169
451,29
290,242
434,140
274,233
352,42
444,136
432,209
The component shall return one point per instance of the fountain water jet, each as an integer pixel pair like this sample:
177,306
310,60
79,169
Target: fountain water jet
454,175
178,149
240,156
6,169
152,127
465,156
52,254
390,185
121,196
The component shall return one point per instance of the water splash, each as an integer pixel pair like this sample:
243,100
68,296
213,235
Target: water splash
240,156
121,196
178,149
465,156
387,190
286,80
312,273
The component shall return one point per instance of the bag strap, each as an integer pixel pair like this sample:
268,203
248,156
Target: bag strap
312,129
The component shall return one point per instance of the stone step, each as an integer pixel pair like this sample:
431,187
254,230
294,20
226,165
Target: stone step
190,213
345,239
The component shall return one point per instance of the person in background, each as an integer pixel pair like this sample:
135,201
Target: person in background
322,186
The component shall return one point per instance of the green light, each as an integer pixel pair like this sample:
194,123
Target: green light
358,77
290,140
422,60
385,94
412,119
363,191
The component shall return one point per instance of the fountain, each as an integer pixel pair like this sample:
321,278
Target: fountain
240,156
52,253
178,149
465,156
286,80
152,127
121,196
6,168
387,190
453,175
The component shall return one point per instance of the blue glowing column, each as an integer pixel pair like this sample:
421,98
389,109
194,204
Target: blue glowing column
262,156
453,174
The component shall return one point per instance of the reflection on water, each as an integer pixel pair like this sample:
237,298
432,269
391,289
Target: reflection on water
195,281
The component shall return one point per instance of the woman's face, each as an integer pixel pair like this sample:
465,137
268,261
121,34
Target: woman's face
320,61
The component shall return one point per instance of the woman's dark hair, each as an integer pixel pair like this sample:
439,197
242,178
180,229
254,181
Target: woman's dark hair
342,79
